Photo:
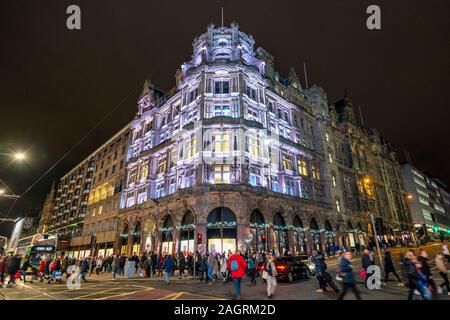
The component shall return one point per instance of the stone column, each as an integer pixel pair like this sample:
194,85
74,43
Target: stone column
243,229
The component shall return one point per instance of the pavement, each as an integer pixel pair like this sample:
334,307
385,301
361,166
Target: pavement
102,287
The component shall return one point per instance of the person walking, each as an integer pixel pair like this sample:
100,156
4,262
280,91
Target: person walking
203,268
440,265
25,266
99,265
251,264
2,269
213,267
84,269
348,279
445,252
64,266
389,267
271,277
116,267
320,267
181,265
426,270
366,262
237,266
410,265
167,266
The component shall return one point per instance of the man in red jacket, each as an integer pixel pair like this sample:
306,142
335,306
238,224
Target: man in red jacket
237,266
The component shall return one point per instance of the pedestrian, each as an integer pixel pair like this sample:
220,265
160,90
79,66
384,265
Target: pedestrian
389,267
123,260
181,265
357,248
116,267
426,270
213,267
271,276
168,267
99,265
366,262
223,267
251,264
2,269
440,265
203,268
64,266
320,267
410,264
445,251
25,266
237,266
84,268
348,279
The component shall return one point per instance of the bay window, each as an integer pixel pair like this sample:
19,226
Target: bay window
221,173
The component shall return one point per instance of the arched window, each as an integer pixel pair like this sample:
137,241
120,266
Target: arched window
316,239
281,242
299,236
124,237
221,230
167,235
137,238
187,232
329,234
258,230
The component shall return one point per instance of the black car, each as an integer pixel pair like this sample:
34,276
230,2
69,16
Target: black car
291,268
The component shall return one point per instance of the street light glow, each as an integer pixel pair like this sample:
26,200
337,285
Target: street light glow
367,180
2,191
409,196
19,156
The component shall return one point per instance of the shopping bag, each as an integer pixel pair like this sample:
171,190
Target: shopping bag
363,273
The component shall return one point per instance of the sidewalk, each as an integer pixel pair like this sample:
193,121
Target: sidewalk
107,276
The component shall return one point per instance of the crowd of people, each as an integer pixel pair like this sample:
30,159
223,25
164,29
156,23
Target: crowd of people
211,267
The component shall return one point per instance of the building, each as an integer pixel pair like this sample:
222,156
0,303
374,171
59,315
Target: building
236,157
429,203
100,222
48,210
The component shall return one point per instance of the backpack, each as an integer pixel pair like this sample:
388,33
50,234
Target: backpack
234,265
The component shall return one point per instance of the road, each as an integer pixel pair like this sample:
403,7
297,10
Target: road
103,288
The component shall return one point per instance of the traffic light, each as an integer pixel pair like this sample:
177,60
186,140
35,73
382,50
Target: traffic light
199,238
263,238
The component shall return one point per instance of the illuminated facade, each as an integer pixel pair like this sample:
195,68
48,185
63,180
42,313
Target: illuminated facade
100,223
235,156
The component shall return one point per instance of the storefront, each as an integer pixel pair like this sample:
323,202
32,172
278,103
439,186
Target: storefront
258,229
299,237
187,233
351,236
315,235
330,238
150,234
167,235
280,235
221,230
124,240
136,239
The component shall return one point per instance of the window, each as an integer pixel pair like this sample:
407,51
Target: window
189,178
142,195
302,169
315,172
172,185
191,147
327,137
159,190
251,93
144,171
287,162
290,190
113,169
254,146
221,142
130,199
100,210
255,176
330,158
270,106
132,178
162,165
333,179
94,210
275,184
338,206
222,87
221,173
222,111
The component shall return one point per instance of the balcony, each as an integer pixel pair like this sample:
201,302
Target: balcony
81,215
59,214
90,169
86,191
80,176
61,205
70,191
54,216
72,181
73,208
64,221
71,218
69,201
88,179
84,203
78,186
66,211
65,185
76,196
58,198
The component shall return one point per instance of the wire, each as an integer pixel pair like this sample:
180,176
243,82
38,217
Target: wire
72,148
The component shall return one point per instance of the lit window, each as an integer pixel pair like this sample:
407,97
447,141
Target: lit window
302,168
315,172
133,174
254,146
327,137
338,206
287,162
159,190
100,210
333,178
221,173
162,165
290,187
144,171
251,93
255,176
221,142
275,184
130,199
172,185
191,147
142,195
330,158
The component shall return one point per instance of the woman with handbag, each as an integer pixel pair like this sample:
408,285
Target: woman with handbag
270,275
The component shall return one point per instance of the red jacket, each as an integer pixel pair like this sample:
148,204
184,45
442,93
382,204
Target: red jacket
240,272
42,266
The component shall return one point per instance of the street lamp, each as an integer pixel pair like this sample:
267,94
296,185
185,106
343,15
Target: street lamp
19,156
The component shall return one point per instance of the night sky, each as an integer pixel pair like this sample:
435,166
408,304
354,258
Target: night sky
56,84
